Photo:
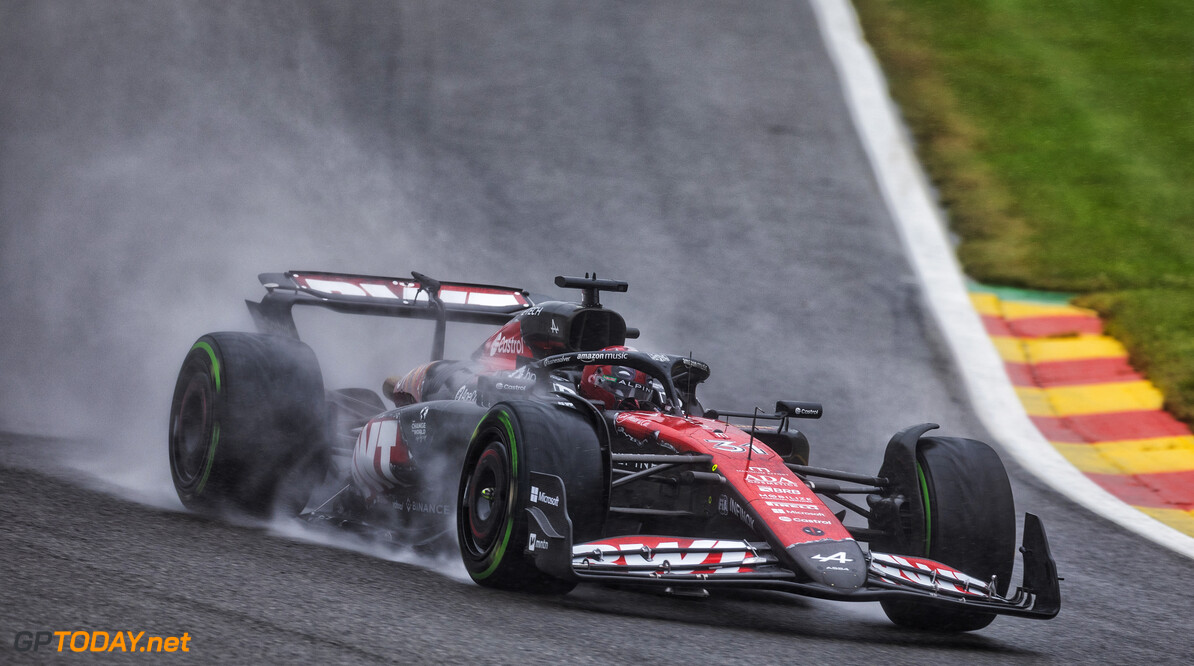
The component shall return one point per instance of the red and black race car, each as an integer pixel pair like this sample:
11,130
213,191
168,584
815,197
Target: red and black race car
557,455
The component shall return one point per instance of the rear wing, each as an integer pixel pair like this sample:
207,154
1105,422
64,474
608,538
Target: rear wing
417,297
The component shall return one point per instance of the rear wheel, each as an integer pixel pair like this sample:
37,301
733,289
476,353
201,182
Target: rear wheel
967,520
248,413
492,524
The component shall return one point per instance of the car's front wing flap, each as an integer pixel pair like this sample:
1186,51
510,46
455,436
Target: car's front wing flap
1039,595
657,557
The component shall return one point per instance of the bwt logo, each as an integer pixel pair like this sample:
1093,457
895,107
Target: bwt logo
99,641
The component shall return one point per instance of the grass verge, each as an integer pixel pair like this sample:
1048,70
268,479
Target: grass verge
1059,136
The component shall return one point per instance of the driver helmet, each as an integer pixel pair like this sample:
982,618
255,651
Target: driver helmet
617,386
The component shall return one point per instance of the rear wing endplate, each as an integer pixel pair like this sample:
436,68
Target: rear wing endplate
417,297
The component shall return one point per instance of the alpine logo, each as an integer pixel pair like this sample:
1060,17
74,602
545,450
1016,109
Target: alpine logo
503,345
836,557
538,496
555,328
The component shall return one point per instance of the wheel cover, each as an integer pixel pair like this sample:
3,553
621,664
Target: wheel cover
191,432
486,499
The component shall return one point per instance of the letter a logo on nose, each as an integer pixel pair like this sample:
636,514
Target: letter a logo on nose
836,557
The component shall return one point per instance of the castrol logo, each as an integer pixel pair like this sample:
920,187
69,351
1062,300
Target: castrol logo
504,345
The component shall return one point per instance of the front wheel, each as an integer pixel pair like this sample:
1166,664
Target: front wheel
966,519
495,491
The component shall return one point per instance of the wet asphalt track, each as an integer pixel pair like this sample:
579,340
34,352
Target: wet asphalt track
154,158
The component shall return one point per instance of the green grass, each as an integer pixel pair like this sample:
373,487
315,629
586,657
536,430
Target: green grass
1061,136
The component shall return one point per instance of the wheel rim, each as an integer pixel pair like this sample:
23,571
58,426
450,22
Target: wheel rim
486,499
192,430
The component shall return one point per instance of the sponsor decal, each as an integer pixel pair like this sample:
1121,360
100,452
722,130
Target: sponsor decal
635,419
415,506
703,367
770,480
356,287
540,497
523,373
501,344
662,358
587,357
722,445
614,380
779,493
802,519
532,312
795,505
813,531
644,550
419,428
378,450
795,512
466,395
881,563
406,290
785,491
723,505
535,543
637,441
502,386
736,509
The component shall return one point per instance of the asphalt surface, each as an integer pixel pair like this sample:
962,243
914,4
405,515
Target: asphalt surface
155,157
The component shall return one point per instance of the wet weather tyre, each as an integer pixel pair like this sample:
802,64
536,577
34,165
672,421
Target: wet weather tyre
969,520
492,523
248,412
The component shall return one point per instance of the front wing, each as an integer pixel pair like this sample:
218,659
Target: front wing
704,563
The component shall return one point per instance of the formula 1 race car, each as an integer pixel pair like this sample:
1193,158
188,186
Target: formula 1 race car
556,455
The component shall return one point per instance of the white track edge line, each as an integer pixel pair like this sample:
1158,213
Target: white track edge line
922,230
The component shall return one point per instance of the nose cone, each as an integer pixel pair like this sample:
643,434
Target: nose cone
836,564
